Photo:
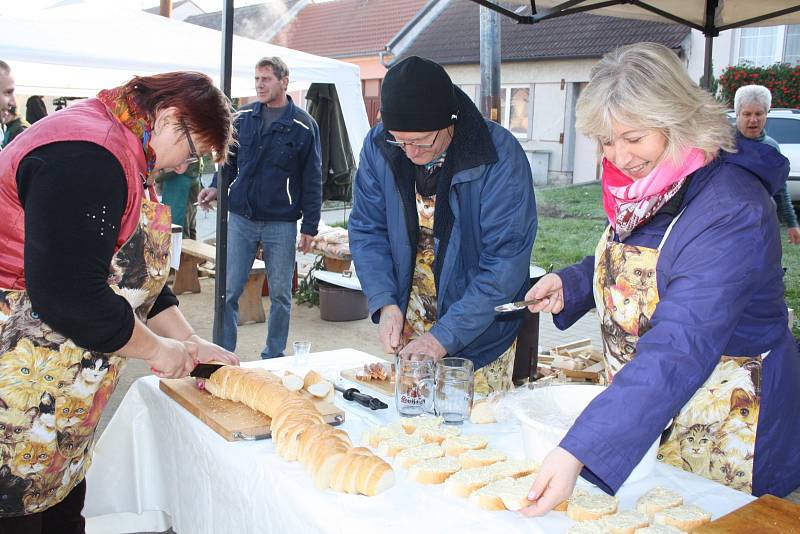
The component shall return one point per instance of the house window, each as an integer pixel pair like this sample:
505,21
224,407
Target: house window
515,103
759,47
792,49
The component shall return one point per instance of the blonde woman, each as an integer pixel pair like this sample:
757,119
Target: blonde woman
688,287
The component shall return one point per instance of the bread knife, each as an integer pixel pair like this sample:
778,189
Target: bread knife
352,394
205,370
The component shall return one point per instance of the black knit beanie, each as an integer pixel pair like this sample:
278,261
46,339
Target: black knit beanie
417,96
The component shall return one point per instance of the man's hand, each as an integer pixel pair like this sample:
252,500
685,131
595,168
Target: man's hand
794,235
210,352
390,328
305,243
555,482
206,196
424,346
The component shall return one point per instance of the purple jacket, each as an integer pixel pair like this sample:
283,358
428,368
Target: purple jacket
721,291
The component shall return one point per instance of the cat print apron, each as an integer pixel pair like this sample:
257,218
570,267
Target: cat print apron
715,432
52,392
421,311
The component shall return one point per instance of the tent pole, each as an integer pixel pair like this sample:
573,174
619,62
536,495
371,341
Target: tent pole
490,65
220,285
708,65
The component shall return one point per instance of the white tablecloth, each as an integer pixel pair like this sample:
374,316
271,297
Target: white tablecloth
156,466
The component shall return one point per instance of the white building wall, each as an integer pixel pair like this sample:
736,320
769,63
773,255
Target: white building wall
551,121
722,53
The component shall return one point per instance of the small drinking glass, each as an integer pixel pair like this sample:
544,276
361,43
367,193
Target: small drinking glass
302,349
413,385
454,389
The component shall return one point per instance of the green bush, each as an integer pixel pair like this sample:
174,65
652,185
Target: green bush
781,79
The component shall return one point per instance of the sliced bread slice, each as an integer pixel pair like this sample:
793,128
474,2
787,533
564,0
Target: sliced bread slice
588,506
626,521
412,424
504,494
659,529
457,445
657,499
686,517
394,446
434,470
597,526
480,458
437,434
409,457
377,435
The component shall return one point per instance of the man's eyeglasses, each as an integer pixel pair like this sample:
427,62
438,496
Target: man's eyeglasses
194,157
404,144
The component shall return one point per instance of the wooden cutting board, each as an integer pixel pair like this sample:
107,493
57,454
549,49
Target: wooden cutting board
232,420
385,387
766,515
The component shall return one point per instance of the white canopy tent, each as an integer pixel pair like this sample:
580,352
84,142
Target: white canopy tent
76,50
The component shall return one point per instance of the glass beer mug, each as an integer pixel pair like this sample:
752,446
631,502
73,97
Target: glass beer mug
413,392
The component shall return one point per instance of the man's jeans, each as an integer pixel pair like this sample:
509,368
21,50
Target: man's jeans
278,242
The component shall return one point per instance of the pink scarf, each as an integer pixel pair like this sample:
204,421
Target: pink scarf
630,203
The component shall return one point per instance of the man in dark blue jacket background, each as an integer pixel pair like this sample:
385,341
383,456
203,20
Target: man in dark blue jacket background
275,178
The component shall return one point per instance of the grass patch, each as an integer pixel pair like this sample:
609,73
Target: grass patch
562,242
791,260
581,201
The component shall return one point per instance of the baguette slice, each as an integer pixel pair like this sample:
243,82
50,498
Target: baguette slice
434,470
597,526
463,483
480,458
377,480
436,434
412,424
374,437
588,506
394,446
457,445
482,412
311,378
562,506
658,529
686,517
504,494
409,457
292,382
657,499
321,389
626,521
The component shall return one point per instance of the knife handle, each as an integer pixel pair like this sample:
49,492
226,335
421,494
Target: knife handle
372,403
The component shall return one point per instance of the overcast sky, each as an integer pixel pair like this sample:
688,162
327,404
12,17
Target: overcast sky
205,5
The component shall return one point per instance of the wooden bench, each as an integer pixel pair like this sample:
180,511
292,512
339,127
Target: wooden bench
193,253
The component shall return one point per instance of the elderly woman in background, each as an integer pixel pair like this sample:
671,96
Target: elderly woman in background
688,286
752,103
82,278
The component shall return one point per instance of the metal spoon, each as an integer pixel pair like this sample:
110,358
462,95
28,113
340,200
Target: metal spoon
514,306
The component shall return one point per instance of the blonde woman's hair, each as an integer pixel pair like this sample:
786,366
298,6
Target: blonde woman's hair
644,85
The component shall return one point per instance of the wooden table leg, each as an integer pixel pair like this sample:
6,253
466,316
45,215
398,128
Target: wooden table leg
251,310
186,280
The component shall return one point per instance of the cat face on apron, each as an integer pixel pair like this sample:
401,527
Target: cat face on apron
714,433
52,391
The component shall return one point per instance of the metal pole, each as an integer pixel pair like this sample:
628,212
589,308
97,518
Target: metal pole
222,182
165,8
490,65
708,66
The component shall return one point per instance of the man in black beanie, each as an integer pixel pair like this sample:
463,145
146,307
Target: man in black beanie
443,223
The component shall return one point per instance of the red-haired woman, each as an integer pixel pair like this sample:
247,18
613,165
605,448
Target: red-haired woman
82,278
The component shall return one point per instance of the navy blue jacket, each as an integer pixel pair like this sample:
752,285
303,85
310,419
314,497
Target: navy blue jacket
488,255
276,175
721,291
